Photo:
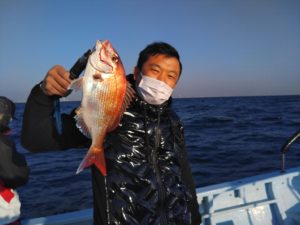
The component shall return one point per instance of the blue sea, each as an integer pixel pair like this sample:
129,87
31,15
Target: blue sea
227,138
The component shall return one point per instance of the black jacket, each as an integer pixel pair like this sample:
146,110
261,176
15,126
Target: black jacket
148,178
14,171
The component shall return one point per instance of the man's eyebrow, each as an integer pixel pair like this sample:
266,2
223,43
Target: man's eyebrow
154,65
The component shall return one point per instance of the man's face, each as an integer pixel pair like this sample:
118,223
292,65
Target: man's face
160,67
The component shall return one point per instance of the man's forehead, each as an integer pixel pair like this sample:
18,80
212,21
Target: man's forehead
161,56
163,61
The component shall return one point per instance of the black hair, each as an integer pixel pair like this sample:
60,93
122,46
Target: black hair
7,111
155,49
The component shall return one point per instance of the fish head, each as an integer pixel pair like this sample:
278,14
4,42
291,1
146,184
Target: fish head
105,59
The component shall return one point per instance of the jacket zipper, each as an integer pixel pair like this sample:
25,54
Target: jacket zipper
161,188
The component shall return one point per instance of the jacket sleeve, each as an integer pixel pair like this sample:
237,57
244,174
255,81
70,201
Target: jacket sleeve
188,180
14,171
39,132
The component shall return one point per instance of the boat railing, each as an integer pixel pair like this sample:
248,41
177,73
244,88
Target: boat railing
285,148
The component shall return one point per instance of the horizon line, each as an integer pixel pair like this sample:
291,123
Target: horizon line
177,97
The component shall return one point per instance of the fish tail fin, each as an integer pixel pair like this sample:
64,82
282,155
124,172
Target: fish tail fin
94,156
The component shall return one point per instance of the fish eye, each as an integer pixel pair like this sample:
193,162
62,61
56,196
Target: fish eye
115,58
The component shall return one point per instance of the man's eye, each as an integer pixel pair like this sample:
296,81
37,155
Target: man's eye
155,71
172,77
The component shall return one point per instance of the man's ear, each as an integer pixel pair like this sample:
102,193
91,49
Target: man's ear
136,73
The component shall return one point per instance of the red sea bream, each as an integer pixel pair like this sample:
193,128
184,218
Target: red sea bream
106,95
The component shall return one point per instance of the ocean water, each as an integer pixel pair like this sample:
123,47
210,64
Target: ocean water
227,139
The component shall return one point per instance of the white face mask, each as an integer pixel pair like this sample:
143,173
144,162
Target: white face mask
154,91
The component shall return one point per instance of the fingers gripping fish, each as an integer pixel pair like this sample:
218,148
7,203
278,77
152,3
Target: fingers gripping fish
106,94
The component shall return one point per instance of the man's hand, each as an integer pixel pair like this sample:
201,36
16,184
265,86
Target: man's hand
56,81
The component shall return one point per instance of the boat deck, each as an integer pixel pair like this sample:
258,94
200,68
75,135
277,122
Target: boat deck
268,199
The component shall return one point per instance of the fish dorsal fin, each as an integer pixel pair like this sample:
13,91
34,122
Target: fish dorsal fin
80,124
76,84
129,96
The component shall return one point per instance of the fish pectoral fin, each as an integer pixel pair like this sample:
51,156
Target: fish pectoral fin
76,84
80,124
94,156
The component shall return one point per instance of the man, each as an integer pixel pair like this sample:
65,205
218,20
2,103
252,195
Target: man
13,168
148,177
